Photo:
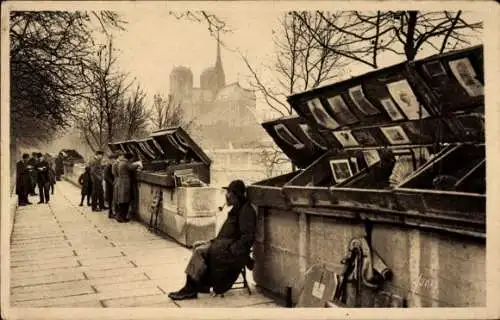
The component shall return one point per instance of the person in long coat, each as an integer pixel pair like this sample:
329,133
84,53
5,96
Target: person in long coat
109,183
23,180
85,181
123,185
43,179
32,162
217,263
96,172
59,167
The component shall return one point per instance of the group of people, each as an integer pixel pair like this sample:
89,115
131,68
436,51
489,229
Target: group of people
111,180
32,171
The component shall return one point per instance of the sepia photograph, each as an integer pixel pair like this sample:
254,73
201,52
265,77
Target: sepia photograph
340,110
345,138
152,166
341,169
404,96
434,69
321,115
307,131
285,135
359,99
395,135
466,76
371,157
391,109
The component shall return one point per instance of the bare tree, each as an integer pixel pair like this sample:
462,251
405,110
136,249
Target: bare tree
111,110
362,36
48,49
168,113
300,63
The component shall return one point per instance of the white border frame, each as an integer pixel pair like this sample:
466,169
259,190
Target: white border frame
342,141
340,161
400,130
412,110
473,92
298,144
359,88
315,104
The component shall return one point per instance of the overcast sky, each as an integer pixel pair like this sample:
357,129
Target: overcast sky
155,42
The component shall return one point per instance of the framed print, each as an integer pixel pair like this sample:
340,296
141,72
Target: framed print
320,115
307,131
434,69
340,110
285,135
345,138
364,137
371,157
464,72
157,146
395,135
359,99
354,162
391,109
146,149
402,93
181,140
341,169
174,142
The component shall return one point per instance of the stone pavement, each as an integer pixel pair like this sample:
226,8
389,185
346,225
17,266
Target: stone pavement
63,255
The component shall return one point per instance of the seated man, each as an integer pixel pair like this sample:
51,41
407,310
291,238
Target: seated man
217,263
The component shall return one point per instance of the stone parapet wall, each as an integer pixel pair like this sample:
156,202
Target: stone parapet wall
187,214
430,268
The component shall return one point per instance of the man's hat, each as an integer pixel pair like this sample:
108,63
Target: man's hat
237,187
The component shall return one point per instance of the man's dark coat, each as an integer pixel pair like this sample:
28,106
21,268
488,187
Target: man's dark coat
229,251
23,178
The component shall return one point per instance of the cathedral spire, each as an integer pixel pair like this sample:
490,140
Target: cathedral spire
220,77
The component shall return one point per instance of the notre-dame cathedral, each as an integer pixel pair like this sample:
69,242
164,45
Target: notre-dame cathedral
223,115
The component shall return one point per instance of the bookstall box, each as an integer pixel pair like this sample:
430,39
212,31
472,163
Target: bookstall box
402,162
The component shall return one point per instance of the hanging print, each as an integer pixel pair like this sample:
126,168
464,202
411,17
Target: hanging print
464,72
320,115
402,93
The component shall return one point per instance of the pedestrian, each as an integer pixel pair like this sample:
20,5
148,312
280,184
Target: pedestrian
52,176
59,167
23,180
123,184
217,263
85,181
32,162
43,180
109,183
96,173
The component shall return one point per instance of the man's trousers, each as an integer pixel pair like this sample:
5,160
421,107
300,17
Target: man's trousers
198,264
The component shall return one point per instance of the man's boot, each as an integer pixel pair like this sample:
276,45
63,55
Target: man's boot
187,292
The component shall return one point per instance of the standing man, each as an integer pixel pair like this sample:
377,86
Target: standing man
43,179
96,173
109,183
32,162
123,171
59,167
23,180
217,263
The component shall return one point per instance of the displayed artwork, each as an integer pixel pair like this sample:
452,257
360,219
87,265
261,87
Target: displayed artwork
391,109
402,93
359,99
176,145
157,146
371,157
181,140
320,115
340,110
434,69
464,72
285,135
354,162
364,137
403,167
395,135
146,149
307,131
341,169
345,138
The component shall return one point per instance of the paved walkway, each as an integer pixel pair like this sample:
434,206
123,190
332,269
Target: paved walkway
63,255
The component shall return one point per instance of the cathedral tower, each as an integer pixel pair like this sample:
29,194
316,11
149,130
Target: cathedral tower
214,78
